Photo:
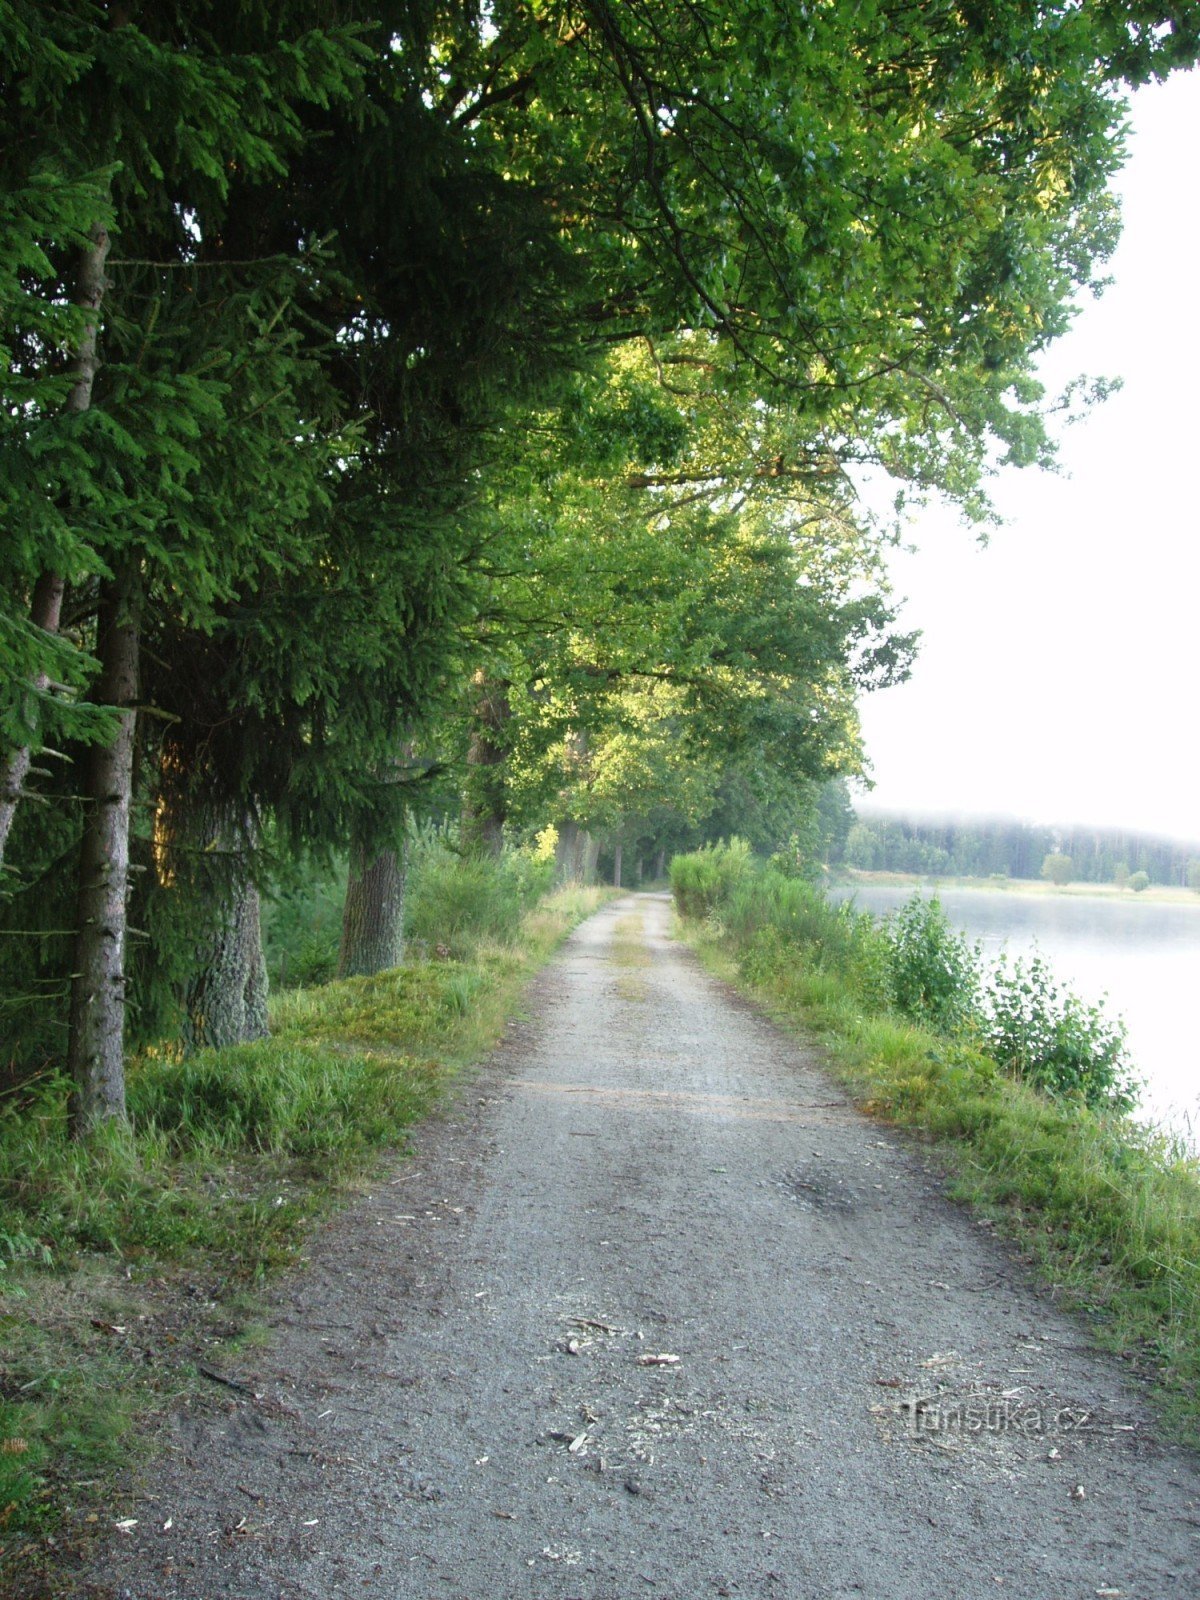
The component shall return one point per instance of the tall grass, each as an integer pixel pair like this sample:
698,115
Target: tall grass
1023,1087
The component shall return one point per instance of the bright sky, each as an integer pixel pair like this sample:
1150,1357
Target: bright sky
1059,669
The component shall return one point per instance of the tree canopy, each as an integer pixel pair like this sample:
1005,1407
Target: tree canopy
368,365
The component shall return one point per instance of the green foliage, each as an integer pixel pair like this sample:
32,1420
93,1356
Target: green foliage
457,901
1058,869
1139,881
776,914
934,971
916,967
302,925
279,1098
702,882
1043,1033
985,847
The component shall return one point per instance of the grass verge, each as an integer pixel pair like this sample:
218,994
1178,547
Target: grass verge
128,1263
1108,1212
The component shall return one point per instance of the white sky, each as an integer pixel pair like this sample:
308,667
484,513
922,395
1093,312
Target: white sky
1058,673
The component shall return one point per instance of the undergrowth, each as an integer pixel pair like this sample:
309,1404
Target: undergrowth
1025,1089
120,1257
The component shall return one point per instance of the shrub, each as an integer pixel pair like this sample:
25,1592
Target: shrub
705,879
1058,868
454,901
302,924
1044,1033
796,914
933,971
1139,881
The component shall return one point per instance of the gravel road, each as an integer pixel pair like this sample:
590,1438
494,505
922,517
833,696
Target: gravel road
654,1312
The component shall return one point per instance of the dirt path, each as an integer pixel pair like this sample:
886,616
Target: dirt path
864,1397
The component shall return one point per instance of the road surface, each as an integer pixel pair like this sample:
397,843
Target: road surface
654,1312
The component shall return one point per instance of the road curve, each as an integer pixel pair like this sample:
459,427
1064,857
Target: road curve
655,1312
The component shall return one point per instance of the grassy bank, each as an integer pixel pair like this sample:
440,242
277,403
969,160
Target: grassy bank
1156,894
130,1265
1107,1211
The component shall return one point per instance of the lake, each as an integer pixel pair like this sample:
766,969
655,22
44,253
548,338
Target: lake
1144,956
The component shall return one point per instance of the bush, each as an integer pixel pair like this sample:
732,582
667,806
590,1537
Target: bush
703,880
934,972
796,913
1139,881
302,925
1058,869
1042,1032
454,901
916,965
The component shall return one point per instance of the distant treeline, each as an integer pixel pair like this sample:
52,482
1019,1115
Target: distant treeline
978,848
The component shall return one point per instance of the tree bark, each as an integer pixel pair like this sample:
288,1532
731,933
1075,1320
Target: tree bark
95,1049
46,606
373,919
226,1000
660,865
575,854
618,855
485,802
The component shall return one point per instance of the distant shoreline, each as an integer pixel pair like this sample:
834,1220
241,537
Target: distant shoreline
1156,894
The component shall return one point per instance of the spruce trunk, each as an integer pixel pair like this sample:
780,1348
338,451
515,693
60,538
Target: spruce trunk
96,1044
227,997
373,919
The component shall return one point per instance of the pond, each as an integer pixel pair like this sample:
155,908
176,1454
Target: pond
1143,955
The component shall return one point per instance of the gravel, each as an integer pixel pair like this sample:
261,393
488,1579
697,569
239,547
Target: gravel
651,1310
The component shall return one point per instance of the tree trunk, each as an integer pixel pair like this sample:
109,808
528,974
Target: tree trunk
575,854
226,1000
618,853
46,606
95,1049
485,801
660,866
373,919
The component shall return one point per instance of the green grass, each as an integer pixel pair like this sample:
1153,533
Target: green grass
1107,1211
126,1260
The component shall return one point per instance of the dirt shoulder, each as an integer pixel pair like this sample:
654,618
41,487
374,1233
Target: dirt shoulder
655,1311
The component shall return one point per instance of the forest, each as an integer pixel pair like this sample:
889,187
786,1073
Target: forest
980,847
428,412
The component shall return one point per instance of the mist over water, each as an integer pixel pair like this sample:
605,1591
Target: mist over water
1142,958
